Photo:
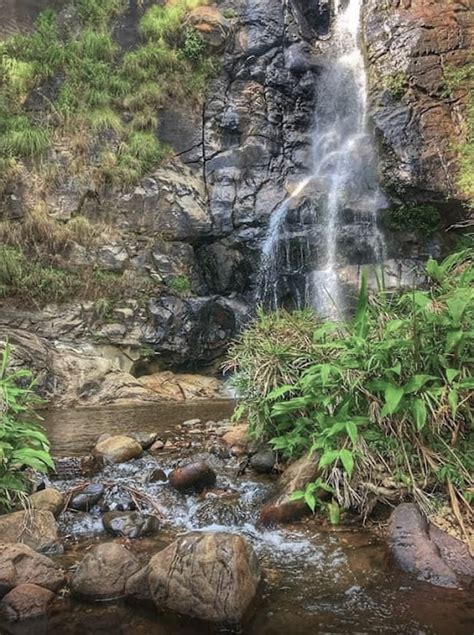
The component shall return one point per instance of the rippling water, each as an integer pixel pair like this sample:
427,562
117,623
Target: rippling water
316,580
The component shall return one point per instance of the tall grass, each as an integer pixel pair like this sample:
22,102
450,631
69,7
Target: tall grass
384,399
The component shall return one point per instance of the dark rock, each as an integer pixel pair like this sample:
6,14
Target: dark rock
209,576
155,474
70,468
103,572
19,564
145,439
26,601
87,498
263,461
193,477
413,550
130,524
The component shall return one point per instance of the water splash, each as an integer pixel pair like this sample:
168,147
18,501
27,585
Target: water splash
345,195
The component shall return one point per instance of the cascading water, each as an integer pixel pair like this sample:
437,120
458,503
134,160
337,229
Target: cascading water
343,188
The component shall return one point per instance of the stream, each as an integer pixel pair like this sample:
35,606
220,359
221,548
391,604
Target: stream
316,579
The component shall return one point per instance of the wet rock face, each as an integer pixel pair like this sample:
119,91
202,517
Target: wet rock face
410,45
19,564
104,571
209,576
415,552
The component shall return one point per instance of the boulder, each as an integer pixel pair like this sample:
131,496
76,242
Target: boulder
280,509
193,477
118,449
263,461
85,500
453,551
182,386
209,576
48,499
413,550
103,572
26,601
19,564
130,524
211,25
35,528
237,436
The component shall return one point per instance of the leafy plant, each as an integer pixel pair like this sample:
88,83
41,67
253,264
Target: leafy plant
384,399
396,83
180,284
22,441
422,218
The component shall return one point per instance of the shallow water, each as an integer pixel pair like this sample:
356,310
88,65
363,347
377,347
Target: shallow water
73,432
315,579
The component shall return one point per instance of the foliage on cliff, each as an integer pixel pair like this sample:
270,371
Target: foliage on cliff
22,441
72,81
385,399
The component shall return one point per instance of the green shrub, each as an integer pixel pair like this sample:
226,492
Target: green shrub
21,137
396,83
98,12
422,218
194,46
180,284
385,399
23,442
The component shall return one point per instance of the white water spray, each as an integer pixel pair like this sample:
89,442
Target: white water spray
343,175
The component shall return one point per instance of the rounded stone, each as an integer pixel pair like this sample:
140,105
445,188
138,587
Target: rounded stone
118,449
130,524
194,477
103,572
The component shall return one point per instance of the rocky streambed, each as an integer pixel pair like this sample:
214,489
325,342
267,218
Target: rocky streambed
173,526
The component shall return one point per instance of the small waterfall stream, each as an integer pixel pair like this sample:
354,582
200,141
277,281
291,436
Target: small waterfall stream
342,185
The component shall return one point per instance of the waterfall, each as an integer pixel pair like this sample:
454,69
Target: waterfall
344,194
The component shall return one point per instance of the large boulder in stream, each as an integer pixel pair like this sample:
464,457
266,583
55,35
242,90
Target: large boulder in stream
281,509
427,552
208,576
35,528
118,449
19,564
25,602
103,572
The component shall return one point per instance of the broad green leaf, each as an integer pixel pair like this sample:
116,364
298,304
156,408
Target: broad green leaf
451,373
453,400
352,431
334,513
434,270
329,457
310,500
280,391
347,459
393,396
420,413
416,382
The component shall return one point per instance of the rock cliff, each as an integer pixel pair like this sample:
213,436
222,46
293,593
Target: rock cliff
187,236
